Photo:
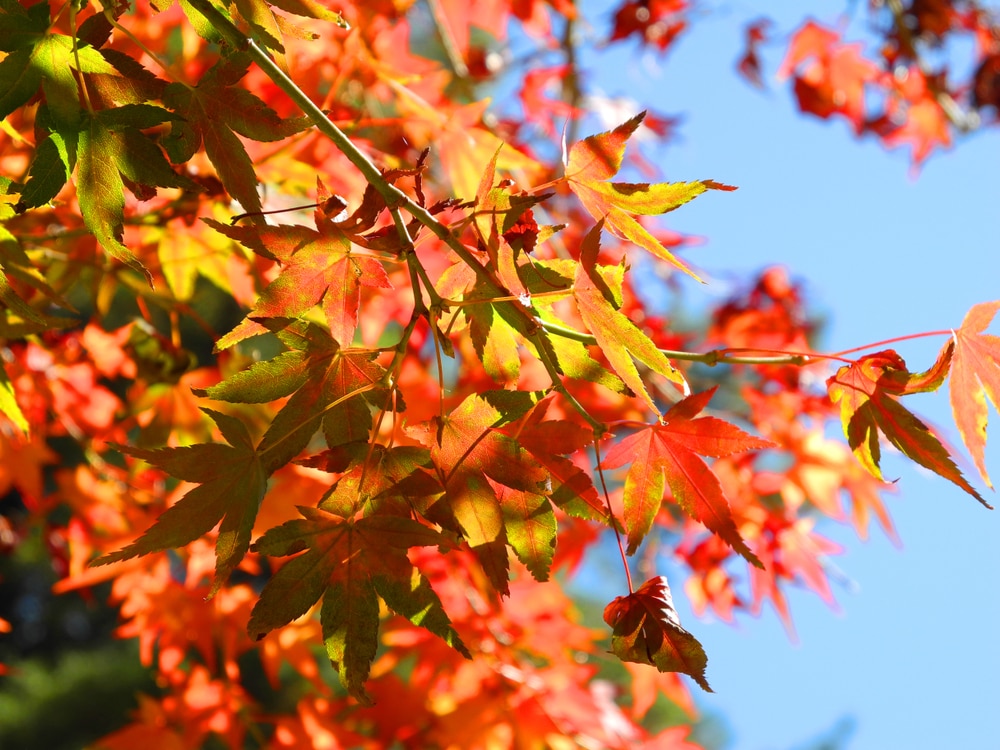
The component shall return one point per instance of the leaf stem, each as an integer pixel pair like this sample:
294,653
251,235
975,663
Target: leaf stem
711,358
897,339
611,513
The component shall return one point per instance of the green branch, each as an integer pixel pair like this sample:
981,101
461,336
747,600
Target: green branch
711,358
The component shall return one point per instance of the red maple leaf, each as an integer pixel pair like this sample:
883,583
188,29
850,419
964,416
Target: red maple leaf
832,76
320,266
669,450
647,630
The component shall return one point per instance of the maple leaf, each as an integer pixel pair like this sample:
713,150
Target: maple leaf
350,563
491,485
39,59
498,326
975,376
548,442
572,356
647,630
865,392
319,267
924,123
670,450
594,160
835,74
214,112
232,483
331,387
114,152
493,329
497,212
657,23
598,296
110,152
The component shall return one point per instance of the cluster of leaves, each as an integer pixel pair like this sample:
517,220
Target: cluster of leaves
420,412
907,92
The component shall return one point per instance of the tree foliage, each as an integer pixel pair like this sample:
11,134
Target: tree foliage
393,422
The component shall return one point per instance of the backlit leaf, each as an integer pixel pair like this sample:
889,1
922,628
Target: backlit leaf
669,451
321,267
975,376
349,563
597,294
866,408
231,484
214,112
596,159
111,148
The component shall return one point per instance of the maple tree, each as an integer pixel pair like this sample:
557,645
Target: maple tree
440,388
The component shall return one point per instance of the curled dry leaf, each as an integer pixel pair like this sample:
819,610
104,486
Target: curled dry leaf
647,630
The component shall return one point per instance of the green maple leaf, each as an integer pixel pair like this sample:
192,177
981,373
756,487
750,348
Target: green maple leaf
231,484
350,563
592,162
37,58
493,330
214,112
572,356
50,169
106,147
112,152
597,292
331,388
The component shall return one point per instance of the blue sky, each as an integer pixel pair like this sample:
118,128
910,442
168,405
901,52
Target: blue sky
911,659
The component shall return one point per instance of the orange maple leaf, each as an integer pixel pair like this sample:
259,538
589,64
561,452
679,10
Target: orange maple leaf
590,165
865,392
975,375
925,126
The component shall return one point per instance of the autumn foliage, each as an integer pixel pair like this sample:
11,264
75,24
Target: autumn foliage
313,356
